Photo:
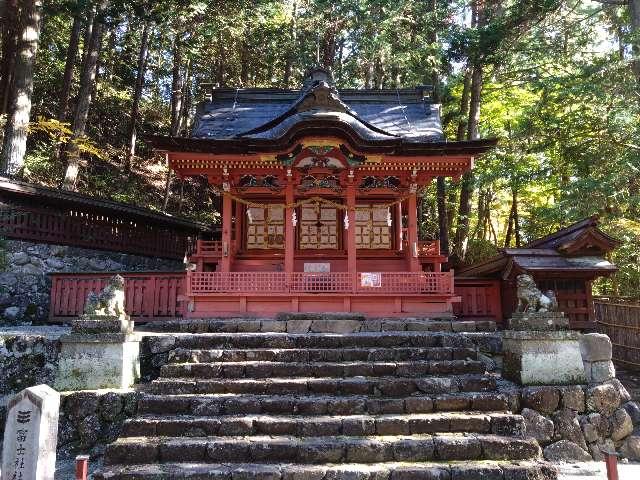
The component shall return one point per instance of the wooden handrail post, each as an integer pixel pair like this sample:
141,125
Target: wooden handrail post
611,462
82,467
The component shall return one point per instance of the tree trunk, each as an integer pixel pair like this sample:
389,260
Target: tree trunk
72,54
9,47
516,219
87,78
137,93
186,98
88,32
176,87
15,136
474,102
464,105
634,14
443,222
293,34
177,111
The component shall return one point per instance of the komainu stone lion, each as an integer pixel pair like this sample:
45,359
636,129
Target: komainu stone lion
531,299
110,300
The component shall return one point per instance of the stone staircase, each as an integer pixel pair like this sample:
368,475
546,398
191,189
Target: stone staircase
388,404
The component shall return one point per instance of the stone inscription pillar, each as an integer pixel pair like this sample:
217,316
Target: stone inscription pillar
31,435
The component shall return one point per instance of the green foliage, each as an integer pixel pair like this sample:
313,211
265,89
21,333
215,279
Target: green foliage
559,95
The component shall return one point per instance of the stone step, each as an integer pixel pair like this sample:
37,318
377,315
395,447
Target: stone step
181,355
383,386
311,426
260,369
315,450
232,404
314,340
469,470
321,323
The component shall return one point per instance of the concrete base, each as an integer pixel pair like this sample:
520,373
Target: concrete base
91,362
543,358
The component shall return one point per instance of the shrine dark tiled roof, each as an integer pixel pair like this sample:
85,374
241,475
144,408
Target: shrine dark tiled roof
269,113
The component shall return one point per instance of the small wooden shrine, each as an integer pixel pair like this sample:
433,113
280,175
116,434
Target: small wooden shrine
319,191
566,262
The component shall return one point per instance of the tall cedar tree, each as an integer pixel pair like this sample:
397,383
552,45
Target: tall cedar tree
15,135
85,95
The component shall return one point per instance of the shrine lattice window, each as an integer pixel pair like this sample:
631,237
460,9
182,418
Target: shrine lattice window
372,227
318,228
265,228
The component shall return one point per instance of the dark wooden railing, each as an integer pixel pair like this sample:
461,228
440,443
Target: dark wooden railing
620,320
45,215
147,295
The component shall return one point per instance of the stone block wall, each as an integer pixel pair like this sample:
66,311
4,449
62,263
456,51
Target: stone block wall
89,420
575,423
25,286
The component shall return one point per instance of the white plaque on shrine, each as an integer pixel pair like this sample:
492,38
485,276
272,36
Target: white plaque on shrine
371,279
31,435
317,267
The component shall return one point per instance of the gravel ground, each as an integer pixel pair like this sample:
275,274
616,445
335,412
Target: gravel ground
597,471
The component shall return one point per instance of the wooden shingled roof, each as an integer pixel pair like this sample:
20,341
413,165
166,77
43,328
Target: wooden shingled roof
580,247
397,121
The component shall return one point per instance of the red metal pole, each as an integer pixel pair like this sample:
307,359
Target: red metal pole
611,461
82,467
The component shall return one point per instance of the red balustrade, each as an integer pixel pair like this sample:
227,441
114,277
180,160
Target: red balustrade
208,248
203,283
147,295
429,249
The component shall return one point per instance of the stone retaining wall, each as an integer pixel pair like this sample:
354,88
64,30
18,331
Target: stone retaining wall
25,286
575,423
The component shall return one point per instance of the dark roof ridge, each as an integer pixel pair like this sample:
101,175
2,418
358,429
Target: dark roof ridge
591,221
329,100
26,189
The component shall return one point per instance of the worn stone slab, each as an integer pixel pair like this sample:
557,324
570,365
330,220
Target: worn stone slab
595,347
95,361
538,321
543,358
95,324
31,435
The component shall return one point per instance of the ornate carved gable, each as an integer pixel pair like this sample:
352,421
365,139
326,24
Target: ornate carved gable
322,96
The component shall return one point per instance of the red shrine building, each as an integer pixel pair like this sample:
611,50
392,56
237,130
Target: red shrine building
319,190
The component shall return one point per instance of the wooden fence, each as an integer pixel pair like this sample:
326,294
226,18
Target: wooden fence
45,215
149,296
480,298
620,320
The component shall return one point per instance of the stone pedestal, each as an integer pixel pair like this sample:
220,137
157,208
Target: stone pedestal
100,352
538,321
543,357
31,435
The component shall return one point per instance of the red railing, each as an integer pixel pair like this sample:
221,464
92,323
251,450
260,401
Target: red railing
429,249
208,248
147,295
203,283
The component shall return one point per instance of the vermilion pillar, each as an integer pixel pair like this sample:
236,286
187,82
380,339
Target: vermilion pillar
398,221
237,227
412,233
351,232
289,234
225,265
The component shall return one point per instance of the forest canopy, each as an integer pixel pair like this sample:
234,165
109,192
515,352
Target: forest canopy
556,82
